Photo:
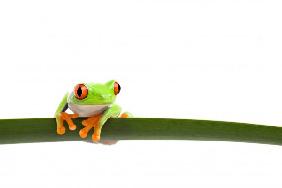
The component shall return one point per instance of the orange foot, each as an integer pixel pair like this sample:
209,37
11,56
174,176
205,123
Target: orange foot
92,122
63,116
125,115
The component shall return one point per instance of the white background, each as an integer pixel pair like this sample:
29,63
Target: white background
218,60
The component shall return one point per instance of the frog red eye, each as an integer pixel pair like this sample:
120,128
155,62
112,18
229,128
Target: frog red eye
80,91
117,88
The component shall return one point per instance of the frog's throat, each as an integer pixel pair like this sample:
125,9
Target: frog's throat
87,110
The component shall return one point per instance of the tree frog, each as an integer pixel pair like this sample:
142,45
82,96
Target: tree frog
95,102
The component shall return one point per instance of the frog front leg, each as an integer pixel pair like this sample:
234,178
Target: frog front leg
97,122
112,112
62,116
88,124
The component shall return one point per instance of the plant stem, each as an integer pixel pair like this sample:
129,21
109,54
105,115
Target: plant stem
44,130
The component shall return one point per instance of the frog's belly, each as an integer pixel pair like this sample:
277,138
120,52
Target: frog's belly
87,110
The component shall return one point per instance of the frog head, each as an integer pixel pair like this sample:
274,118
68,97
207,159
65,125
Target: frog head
94,93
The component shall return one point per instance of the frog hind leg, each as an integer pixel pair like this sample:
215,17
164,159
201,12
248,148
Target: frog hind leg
62,116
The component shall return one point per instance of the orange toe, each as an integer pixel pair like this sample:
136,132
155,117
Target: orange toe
82,133
84,123
124,115
68,118
72,126
61,130
95,138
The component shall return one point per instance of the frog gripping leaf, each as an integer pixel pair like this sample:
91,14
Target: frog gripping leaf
95,102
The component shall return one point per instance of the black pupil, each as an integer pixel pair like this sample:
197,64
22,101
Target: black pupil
79,91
